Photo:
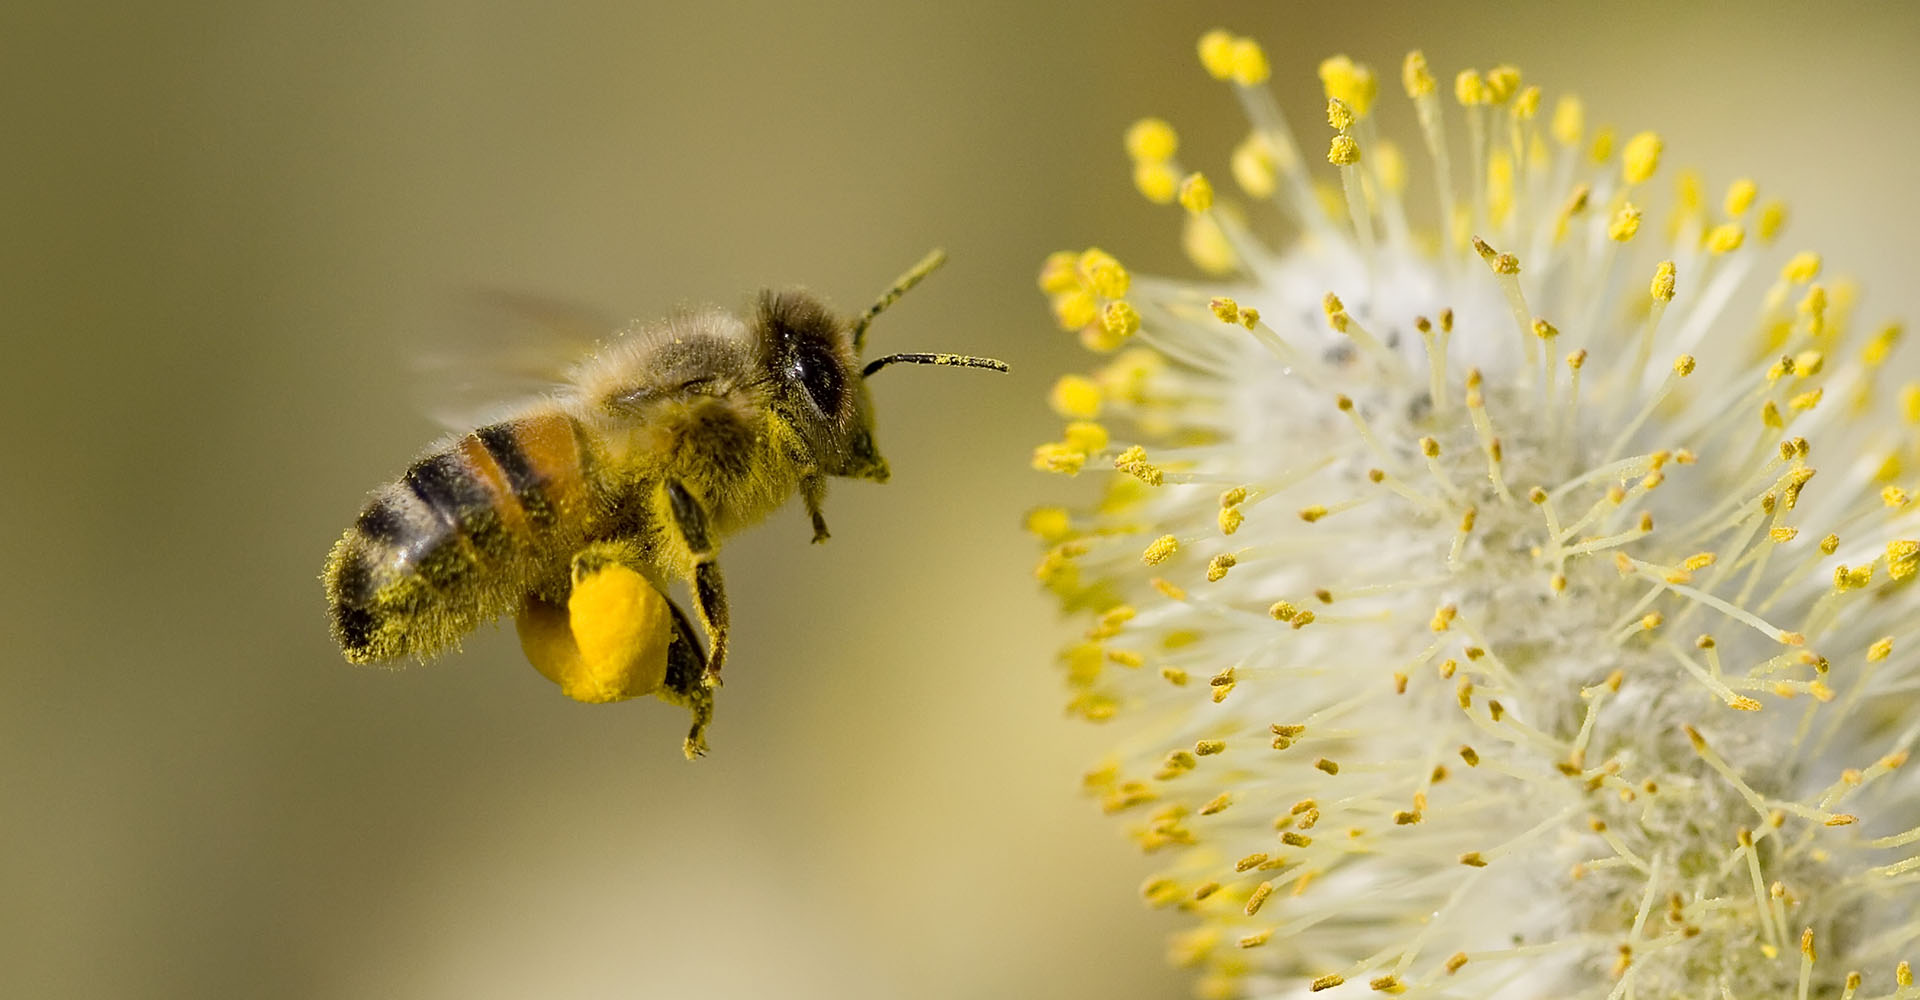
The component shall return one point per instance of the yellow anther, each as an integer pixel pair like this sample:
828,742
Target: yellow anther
1076,396
1104,274
1230,520
1576,359
1469,89
1740,196
1134,463
1249,317
1206,244
1773,218
1160,550
1602,149
1625,224
1121,319
1218,566
1086,436
1075,309
1249,63
1225,310
1216,53
1062,458
1804,267
1155,181
1208,748
1343,151
1502,83
1416,77
1283,611
1313,513
1903,558
1152,139
1545,330
1348,81
1196,193
1831,544
1502,263
1726,238
1569,120
1805,401
1050,524
1881,649
1526,104
1663,281
1339,114
1640,158
1060,273
1808,363
1443,618
1254,166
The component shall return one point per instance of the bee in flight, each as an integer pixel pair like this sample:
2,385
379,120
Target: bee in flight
579,511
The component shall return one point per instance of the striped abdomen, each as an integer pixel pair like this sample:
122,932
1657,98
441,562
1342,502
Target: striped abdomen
458,539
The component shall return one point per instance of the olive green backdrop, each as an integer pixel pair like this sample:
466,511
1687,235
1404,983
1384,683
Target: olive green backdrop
225,228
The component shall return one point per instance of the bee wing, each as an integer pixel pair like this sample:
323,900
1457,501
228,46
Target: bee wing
505,348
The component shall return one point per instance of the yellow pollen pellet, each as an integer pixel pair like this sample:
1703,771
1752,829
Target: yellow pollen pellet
1625,224
1076,396
1640,157
1152,139
1160,550
1343,151
1726,238
1416,77
1249,63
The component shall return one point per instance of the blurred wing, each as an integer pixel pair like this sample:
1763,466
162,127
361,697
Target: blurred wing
503,349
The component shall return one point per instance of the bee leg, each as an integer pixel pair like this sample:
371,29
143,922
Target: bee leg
709,594
683,687
813,488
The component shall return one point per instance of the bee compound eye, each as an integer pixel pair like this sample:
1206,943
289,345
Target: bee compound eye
819,371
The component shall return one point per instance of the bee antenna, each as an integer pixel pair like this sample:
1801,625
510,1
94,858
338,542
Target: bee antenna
928,264
957,360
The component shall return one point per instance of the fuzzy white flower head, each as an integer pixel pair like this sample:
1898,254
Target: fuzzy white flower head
1464,604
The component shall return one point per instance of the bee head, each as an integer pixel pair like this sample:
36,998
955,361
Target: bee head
815,360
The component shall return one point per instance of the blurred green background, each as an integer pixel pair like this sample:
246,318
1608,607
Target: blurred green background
226,228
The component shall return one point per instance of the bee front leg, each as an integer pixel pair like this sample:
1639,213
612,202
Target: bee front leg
709,594
813,489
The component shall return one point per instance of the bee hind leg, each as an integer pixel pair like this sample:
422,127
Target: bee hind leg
709,593
685,667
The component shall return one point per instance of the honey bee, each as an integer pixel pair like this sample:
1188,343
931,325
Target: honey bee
579,511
